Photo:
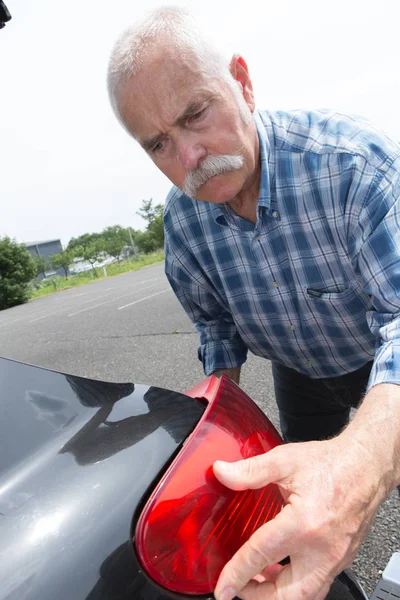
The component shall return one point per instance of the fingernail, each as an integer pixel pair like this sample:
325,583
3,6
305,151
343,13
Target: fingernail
227,594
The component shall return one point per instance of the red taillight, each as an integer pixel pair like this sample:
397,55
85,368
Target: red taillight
192,525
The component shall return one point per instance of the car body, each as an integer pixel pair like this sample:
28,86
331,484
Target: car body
80,459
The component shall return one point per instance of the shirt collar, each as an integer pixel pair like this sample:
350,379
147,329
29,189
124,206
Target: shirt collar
221,212
262,124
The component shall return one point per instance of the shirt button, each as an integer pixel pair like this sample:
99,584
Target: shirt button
275,284
292,327
258,238
275,214
308,363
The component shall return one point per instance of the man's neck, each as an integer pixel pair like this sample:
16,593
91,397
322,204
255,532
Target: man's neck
245,203
246,209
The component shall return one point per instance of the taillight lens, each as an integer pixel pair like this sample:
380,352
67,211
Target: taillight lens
192,525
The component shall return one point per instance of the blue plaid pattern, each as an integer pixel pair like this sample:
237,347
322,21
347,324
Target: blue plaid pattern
315,283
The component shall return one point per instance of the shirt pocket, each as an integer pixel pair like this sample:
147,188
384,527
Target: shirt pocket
346,305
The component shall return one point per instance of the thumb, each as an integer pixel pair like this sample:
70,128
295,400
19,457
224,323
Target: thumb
252,473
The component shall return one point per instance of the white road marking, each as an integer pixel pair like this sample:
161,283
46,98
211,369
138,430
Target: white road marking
150,279
10,322
88,308
96,298
59,298
108,301
61,308
39,309
142,299
66,300
84,302
46,315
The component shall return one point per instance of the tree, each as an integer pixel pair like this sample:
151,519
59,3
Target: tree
148,212
63,260
153,238
145,242
17,269
83,240
41,264
92,252
115,239
156,229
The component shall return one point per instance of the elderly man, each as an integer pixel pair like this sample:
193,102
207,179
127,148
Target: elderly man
282,237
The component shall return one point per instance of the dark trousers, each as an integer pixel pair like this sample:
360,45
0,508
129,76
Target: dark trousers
316,409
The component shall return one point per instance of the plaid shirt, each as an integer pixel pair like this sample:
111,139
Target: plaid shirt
315,283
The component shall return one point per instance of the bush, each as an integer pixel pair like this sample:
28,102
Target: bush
16,271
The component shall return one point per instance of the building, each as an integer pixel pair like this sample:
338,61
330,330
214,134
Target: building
46,248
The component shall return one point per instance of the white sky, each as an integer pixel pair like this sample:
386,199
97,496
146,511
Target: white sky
66,165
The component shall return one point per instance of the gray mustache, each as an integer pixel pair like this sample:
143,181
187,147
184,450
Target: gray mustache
210,167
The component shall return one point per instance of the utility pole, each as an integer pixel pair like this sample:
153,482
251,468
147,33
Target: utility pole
131,238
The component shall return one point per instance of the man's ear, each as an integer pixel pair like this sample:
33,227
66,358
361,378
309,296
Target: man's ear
240,72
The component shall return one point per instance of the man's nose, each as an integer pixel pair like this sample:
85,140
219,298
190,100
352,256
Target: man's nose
189,153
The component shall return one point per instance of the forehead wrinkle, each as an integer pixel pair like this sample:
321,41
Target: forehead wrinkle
149,102
192,107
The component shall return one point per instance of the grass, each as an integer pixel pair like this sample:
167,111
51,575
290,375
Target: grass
56,284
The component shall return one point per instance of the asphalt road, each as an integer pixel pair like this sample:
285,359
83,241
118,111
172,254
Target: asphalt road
131,328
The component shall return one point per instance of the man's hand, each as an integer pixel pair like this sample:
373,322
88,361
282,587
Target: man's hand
332,491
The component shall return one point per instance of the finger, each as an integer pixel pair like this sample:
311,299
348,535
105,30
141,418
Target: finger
255,472
263,591
258,591
270,544
269,573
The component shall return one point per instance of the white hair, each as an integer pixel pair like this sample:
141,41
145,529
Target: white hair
175,25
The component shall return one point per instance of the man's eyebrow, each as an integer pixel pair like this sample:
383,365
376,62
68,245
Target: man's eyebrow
191,109
151,142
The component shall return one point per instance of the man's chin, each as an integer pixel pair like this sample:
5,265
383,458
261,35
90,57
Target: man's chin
198,193
221,197
215,190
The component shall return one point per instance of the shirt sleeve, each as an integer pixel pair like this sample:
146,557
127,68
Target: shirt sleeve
378,263
221,346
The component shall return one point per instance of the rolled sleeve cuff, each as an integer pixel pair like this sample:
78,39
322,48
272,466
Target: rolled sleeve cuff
386,367
220,355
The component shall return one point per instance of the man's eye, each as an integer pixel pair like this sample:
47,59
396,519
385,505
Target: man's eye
196,116
158,147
